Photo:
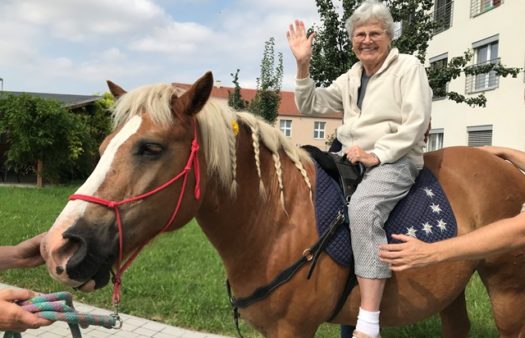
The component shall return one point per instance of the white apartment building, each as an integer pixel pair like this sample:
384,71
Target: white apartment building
495,31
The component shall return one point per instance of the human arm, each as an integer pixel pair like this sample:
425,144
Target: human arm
23,255
516,157
308,98
15,318
495,238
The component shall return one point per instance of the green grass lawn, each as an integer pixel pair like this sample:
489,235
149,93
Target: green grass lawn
178,279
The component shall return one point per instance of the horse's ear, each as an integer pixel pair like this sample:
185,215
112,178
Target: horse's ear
115,89
192,101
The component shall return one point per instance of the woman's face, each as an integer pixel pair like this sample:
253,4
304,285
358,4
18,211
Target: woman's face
371,43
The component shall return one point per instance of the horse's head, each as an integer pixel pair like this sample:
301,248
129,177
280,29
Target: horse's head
153,144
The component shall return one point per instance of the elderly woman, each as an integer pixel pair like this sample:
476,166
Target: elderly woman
386,100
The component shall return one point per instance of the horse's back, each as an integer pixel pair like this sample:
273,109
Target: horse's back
480,186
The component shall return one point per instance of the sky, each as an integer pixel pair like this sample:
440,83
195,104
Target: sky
74,46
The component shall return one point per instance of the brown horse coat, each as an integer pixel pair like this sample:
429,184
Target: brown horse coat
258,213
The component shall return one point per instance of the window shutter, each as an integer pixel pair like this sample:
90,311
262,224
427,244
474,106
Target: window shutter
480,138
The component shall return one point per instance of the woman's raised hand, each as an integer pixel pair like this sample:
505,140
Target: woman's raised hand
300,44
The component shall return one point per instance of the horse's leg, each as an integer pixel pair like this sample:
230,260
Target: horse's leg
504,279
454,318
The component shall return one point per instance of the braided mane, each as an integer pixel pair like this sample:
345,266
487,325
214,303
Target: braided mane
217,122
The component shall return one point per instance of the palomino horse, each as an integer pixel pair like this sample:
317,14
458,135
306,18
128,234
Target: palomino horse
251,193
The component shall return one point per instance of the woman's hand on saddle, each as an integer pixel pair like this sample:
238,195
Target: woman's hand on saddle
300,43
411,253
13,317
355,154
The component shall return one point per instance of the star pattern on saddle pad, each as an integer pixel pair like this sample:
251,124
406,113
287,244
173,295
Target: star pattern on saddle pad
429,192
424,214
435,208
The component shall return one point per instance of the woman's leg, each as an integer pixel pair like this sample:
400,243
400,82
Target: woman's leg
376,196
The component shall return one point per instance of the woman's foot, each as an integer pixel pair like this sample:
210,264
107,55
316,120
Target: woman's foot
358,334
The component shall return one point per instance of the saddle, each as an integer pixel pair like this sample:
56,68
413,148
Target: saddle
348,175
424,213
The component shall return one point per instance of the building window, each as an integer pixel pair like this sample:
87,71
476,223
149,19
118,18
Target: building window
437,64
478,7
319,130
479,136
286,127
442,15
435,139
485,52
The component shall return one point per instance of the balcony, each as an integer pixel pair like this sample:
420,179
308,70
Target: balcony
442,16
478,7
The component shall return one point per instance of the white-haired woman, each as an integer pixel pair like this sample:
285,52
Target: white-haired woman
386,101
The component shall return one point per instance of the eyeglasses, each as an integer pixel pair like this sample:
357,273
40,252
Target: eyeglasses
373,35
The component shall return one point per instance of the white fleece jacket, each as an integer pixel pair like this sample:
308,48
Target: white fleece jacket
395,111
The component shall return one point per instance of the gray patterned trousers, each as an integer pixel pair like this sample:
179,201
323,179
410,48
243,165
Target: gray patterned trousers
375,197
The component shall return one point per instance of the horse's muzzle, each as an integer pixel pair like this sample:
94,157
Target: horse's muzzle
83,254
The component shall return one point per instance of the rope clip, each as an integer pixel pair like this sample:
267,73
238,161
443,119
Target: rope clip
115,315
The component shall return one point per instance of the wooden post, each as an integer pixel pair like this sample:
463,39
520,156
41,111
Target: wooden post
39,178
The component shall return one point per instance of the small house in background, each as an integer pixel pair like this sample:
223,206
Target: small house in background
75,103
316,130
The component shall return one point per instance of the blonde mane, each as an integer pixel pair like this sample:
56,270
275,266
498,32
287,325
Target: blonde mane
218,123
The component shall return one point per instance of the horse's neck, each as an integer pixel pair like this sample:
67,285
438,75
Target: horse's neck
248,230
236,223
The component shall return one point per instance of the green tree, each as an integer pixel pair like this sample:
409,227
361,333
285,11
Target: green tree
97,120
235,99
42,135
46,138
332,52
267,98
332,56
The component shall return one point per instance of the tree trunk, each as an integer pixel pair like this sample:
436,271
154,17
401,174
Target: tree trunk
39,170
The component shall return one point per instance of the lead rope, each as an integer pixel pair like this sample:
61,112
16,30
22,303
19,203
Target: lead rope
59,307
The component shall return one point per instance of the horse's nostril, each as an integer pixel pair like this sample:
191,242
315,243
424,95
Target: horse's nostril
59,270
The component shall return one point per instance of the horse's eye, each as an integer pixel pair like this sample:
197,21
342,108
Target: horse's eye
150,149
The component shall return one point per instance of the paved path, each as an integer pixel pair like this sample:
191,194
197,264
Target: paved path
133,327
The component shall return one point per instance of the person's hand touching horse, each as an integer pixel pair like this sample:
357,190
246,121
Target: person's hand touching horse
23,255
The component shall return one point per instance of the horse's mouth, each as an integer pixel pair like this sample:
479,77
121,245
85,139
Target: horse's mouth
92,276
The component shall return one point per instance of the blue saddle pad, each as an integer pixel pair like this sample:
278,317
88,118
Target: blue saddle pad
424,213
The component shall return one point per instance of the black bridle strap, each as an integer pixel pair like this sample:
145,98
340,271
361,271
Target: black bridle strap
309,255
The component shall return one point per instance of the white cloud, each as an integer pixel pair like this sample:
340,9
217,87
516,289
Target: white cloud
174,38
73,46
79,20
